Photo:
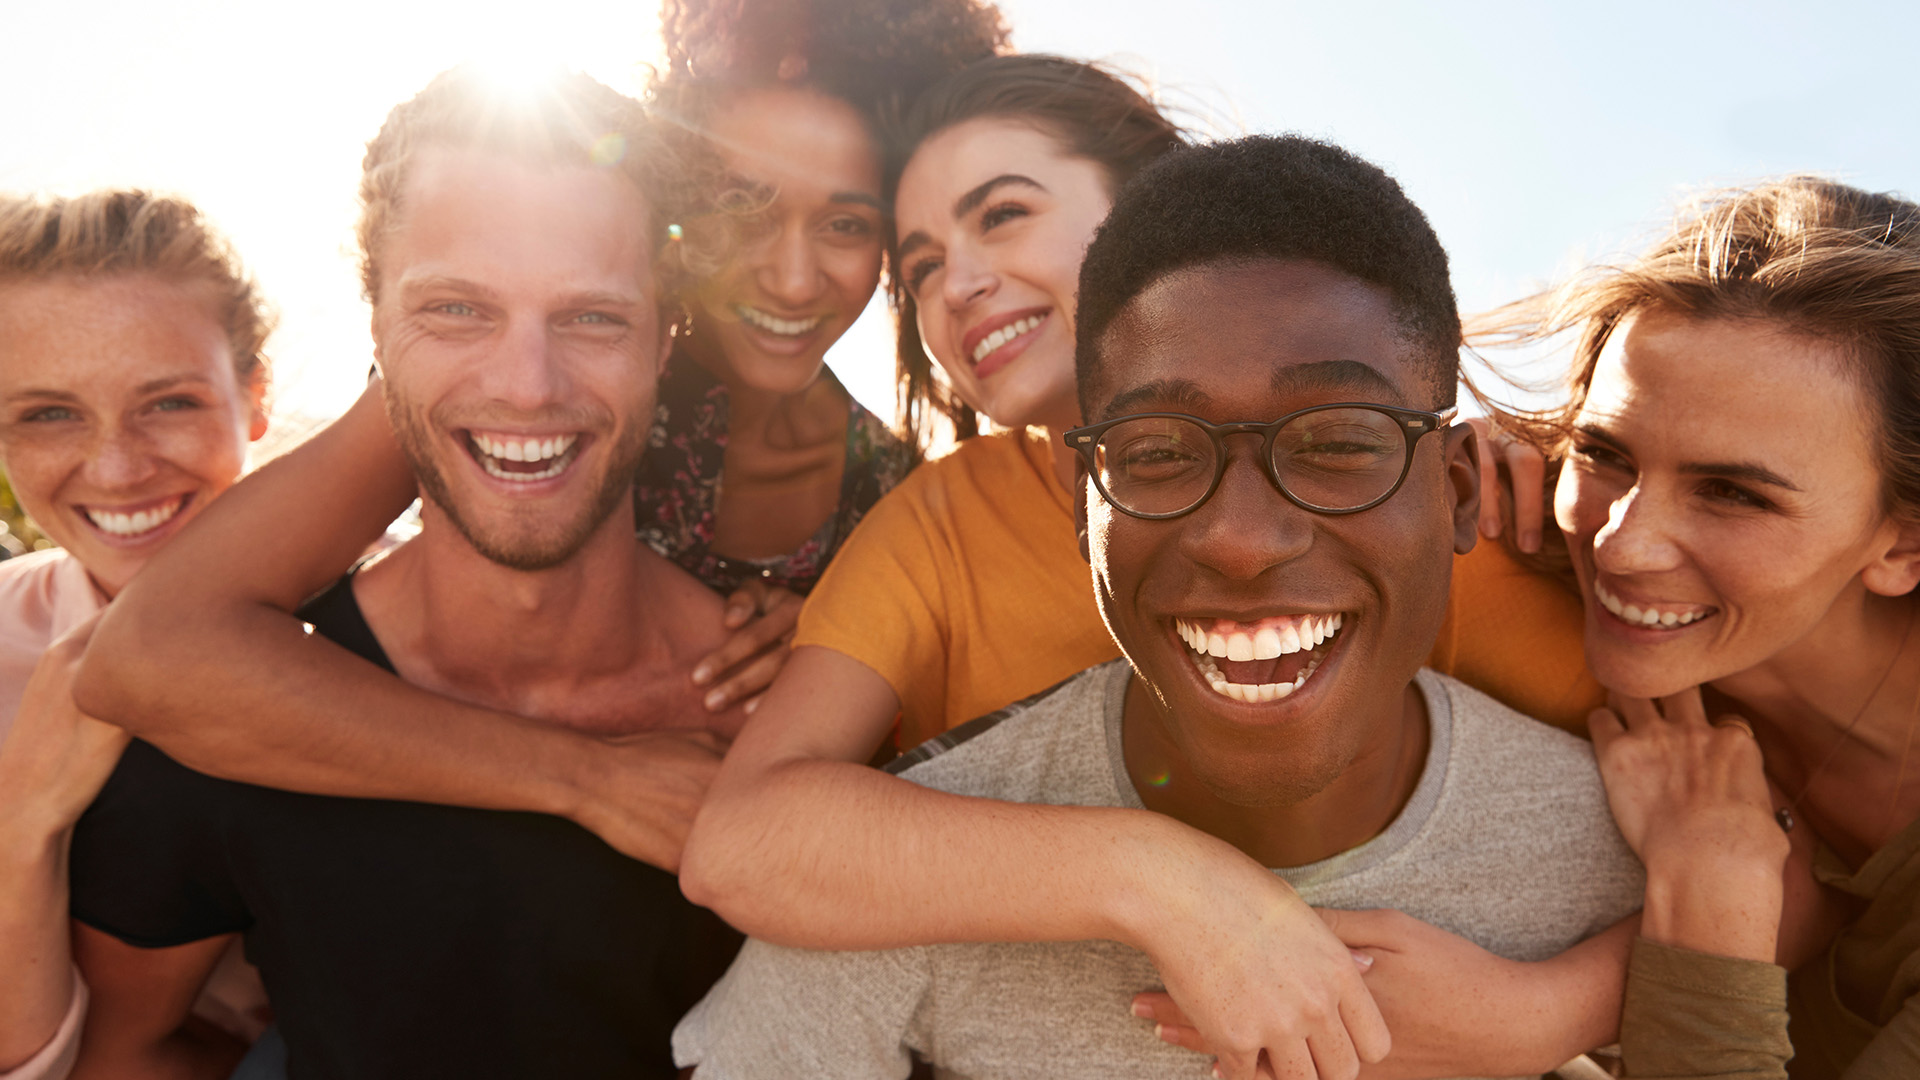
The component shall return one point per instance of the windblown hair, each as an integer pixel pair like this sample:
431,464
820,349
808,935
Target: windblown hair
1272,197
568,120
1095,113
1812,256
876,55
118,232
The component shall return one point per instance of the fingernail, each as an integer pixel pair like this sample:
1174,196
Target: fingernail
1491,529
751,705
1361,959
701,674
715,700
1530,541
1217,1074
1140,1010
1160,1032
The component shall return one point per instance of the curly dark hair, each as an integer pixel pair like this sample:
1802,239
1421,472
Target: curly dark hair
874,54
1272,197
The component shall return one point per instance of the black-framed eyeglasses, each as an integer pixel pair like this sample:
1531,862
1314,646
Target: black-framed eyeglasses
1331,459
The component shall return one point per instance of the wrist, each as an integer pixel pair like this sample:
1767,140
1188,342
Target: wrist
1728,906
1179,879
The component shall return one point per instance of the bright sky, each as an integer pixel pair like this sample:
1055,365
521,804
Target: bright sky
1534,135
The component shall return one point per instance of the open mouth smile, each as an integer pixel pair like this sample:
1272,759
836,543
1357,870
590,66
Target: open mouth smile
1259,661
523,459
1649,616
133,525
775,325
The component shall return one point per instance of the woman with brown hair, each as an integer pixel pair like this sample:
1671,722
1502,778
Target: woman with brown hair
1735,474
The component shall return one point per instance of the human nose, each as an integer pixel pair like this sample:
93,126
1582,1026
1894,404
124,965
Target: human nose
122,460
526,371
789,268
1247,527
968,278
1638,536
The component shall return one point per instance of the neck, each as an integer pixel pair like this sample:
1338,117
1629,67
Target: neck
1854,672
451,618
778,419
1357,805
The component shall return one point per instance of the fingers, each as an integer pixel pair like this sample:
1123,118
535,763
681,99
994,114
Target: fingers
1604,726
1635,713
1187,1038
749,680
1685,707
1360,1016
1333,1055
1528,471
745,602
1489,478
763,633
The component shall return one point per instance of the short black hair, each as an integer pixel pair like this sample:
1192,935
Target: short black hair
1271,197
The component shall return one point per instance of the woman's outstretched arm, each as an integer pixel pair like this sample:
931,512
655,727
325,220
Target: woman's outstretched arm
201,656
799,845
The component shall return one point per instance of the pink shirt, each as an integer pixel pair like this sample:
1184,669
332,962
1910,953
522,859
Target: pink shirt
42,596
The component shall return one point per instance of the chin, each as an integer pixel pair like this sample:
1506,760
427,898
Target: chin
1643,676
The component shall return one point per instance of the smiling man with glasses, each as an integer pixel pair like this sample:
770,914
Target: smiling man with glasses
1267,341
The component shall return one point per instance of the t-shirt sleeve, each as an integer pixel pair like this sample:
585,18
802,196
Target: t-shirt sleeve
781,1013
1693,1016
148,864
883,602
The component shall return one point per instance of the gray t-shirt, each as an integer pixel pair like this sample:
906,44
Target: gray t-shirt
1506,840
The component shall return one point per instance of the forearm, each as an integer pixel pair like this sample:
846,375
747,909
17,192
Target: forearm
34,953
826,854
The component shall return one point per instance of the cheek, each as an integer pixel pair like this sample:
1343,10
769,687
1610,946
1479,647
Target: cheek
855,273
36,467
212,449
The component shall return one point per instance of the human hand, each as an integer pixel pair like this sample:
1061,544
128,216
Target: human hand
1691,799
762,618
1454,1008
57,758
1266,987
646,789
1525,485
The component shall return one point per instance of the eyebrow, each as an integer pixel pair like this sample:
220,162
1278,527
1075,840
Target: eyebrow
858,198
967,204
1748,471
151,386
1321,375
1180,393
429,282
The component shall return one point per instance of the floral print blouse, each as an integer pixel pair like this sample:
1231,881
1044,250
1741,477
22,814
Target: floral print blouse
678,485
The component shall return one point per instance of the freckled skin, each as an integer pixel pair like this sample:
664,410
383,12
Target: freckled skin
1338,756
118,393
1778,567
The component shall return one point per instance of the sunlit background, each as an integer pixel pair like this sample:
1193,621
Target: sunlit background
1535,135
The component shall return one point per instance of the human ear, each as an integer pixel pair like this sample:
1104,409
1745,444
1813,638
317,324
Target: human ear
257,395
1463,483
1896,570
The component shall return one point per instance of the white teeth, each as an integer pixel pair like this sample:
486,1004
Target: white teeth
142,521
494,449
1649,616
773,324
547,473
1266,644
1005,334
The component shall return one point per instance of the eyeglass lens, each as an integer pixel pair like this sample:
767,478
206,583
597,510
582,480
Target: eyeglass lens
1331,459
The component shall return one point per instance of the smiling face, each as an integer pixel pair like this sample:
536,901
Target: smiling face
1341,611
814,261
121,415
1720,499
994,219
518,332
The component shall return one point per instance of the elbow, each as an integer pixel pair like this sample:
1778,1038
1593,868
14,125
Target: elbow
717,868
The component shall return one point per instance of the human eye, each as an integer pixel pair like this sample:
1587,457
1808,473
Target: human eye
1339,440
851,227
1593,452
49,414
175,403
1148,457
1001,213
918,271
453,307
1732,495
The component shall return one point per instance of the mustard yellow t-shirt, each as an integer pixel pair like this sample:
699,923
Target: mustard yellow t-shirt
964,588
